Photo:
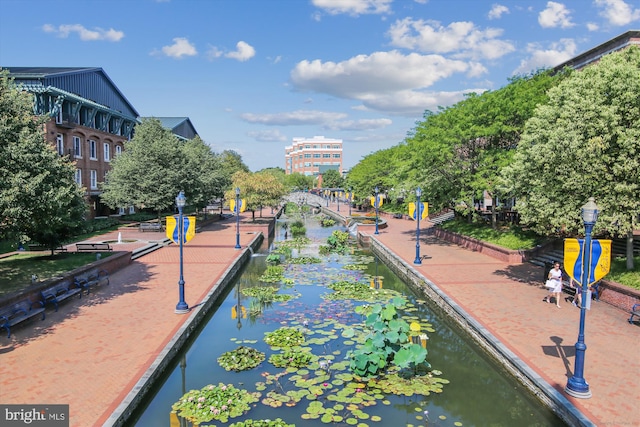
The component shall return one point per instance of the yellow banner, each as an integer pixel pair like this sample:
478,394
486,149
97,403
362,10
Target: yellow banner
373,200
424,210
600,259
189,228
232,205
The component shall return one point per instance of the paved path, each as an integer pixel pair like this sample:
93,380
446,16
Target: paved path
92,352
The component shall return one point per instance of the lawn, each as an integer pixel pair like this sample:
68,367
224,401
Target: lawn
16,270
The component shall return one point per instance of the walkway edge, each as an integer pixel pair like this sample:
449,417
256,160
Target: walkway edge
548,395
129,405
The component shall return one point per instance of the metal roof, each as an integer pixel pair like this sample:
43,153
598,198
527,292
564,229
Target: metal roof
180,126
90,83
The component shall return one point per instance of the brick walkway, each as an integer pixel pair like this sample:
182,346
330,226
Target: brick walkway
92,352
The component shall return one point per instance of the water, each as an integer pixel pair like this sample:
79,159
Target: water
479,393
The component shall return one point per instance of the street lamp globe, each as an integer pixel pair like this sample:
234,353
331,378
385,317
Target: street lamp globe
590,211
181,200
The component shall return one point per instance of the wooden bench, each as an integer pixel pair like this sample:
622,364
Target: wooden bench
60,292
36,247
88,247
18,313
91,278
635,311
150,226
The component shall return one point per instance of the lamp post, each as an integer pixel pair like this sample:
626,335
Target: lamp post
375,202
238,218
418,261
350,199
577,386
328,195
338,197
182,306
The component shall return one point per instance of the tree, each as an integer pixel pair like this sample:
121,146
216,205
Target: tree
299,182
584,143
207,177
257,189
332,179
39,197
150,171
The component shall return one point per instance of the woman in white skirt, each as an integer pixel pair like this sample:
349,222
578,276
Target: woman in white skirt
555,276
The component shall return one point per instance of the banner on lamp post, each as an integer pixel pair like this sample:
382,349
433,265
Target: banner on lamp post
373,200
233,207
574,254
421,211
188,231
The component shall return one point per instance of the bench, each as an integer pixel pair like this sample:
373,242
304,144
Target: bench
80,247
150,226
91,278
635,311
18,313
59,293
36,247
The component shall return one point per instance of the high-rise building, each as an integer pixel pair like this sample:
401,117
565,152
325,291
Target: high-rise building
312,156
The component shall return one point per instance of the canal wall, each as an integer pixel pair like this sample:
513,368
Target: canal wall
122,416
539,388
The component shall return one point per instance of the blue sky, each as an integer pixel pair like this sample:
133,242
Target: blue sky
253,74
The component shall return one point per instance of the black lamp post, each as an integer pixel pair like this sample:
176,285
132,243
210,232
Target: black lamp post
577,386
375,202
182,306
418,261
238,218
350,199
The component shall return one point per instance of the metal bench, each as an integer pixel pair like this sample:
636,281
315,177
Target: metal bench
91,247
18,313
635,311
91,278
59,293
150,226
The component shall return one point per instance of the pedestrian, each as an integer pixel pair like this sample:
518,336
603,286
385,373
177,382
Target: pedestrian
577,299
554,284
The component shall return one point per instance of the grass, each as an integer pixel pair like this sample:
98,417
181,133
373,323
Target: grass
510,237
16,270
620,274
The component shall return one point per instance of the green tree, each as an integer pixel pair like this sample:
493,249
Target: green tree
150,171
257,189
206,175
39,197
298,182
584,143
332,179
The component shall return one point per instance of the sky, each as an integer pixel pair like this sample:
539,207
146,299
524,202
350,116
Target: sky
253,74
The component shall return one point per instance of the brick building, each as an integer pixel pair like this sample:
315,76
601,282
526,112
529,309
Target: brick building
309,156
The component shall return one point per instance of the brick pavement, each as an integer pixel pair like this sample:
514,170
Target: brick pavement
92,352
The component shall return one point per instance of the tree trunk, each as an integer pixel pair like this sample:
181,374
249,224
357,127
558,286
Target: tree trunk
494,217
630,250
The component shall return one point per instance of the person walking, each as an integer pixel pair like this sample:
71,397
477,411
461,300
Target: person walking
554,284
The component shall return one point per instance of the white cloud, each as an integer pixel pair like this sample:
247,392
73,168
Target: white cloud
617,12
463,39
298,117
592,26
353,7
363,124
85,34
497,10
555,54
181,47
244,52
269,135
555,15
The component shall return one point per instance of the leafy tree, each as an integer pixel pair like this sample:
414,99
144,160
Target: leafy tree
207,177
298,182
39,197
375,169
332,179
150,171
257,189
584,143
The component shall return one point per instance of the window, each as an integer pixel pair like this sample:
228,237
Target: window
307,164
336,156
60,144
94,179
93,151
316,155
336,147
132,209
121,211
326,156
307,156
79,176
308,146
77,147
59,115
107,154
118,149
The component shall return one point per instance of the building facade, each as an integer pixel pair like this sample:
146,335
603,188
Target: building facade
312,156
90,121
